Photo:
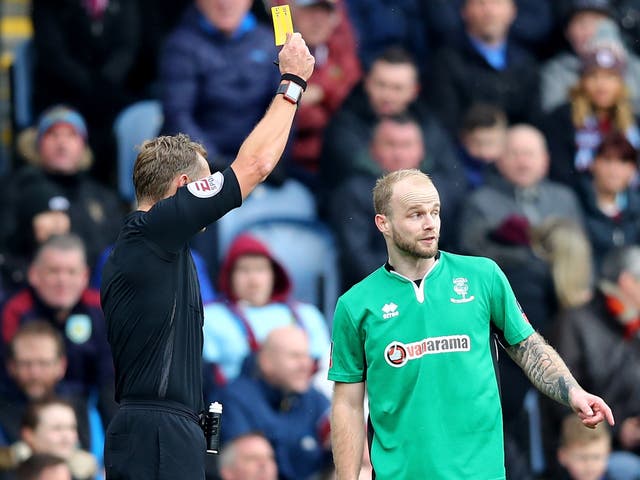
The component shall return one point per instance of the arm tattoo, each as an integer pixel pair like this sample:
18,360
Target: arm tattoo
544,367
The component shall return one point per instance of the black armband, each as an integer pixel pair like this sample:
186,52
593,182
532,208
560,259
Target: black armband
295,79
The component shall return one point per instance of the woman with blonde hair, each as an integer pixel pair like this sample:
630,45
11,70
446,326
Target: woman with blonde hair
564,245
599,105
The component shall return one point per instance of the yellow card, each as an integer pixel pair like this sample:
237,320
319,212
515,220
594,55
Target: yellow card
282,23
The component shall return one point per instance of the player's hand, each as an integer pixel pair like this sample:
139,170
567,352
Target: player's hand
295,57
590,409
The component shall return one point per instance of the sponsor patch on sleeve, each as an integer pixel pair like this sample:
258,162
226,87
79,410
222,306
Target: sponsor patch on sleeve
207,187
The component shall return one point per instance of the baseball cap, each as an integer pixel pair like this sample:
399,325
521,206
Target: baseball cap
61,114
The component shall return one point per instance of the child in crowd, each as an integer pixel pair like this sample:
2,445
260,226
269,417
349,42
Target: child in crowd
583,452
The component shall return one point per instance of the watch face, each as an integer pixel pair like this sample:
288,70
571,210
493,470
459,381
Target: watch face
293,92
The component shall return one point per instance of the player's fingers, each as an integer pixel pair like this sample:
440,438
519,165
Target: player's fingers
606,412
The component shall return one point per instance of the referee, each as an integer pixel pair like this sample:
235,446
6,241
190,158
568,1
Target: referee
150,292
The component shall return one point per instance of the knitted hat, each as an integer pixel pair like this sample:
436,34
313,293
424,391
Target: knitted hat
605,49
39,197
61,114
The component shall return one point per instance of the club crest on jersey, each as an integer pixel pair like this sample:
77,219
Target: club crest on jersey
390,310
461,289
397,354
208,186
78,328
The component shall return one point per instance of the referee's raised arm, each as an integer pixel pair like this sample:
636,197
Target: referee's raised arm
263,148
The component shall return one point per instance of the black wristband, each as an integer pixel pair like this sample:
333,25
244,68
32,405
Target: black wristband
295,79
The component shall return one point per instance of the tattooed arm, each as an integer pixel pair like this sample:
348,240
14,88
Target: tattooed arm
549,374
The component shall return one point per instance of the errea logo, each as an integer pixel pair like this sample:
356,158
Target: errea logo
390,310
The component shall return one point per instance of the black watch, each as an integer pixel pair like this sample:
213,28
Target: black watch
291,91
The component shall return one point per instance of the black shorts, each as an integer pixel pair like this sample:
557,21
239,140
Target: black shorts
154,441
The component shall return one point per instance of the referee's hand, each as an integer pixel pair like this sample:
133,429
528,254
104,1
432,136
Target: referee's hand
295,58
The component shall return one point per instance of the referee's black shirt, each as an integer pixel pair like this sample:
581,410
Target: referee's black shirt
151,296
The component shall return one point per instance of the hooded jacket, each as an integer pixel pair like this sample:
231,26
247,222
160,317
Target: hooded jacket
233,329
248,245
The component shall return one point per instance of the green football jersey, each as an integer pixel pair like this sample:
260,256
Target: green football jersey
425,354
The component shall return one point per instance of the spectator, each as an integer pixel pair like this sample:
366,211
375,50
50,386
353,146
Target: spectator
278,399
587,21
59,156
397,143
58,293
50,426
390,87
381,23
583,452
43,466
208,71
85,53
36,362
42,212
495,221
626,14
599,105
530,28
599,342
482,140
255,298
610,199
248,457
328,34
488,67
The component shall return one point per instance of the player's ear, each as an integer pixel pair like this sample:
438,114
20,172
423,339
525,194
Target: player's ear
382,222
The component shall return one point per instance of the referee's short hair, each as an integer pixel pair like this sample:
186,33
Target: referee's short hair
160,160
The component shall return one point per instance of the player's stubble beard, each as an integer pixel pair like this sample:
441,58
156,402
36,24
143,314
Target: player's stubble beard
412,247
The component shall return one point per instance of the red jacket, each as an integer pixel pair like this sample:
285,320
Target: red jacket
336,74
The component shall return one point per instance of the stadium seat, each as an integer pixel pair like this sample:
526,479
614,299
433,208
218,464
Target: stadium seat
290,201
306,248
136,123
22,85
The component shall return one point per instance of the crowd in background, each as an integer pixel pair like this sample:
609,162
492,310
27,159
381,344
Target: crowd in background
524,112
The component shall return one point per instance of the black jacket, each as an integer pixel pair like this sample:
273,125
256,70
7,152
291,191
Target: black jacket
461,76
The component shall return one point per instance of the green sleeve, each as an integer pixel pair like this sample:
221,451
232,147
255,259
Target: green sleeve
347,363
506,313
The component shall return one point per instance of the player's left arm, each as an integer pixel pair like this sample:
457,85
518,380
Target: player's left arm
549,374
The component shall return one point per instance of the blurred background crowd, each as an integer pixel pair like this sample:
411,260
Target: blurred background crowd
524,112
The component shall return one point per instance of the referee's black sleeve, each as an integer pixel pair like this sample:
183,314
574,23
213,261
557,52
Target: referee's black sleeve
173,221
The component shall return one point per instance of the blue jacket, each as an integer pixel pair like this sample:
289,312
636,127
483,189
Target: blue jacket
216,88
296,425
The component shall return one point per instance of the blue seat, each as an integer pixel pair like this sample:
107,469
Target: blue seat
136,123
290,201
307,249
22,85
